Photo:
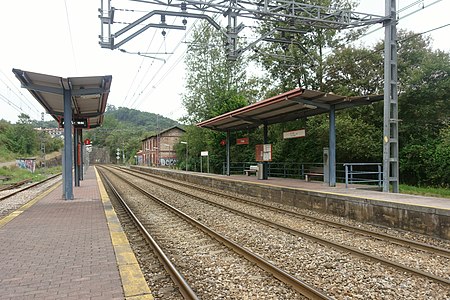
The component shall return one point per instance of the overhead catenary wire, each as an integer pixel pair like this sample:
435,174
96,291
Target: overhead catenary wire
71,37
172,67
20,98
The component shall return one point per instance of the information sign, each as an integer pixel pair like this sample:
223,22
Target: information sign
263,152
294,134
242,141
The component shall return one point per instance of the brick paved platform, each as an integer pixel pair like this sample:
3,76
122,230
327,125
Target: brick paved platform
58,249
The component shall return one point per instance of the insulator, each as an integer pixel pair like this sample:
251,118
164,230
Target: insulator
163,19
164,33
183,6
184,22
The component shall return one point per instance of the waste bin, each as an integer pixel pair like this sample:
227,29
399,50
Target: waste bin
260,171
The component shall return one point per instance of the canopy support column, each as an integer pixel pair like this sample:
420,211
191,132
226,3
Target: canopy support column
81,155
67,166
228,152
332,141
76,154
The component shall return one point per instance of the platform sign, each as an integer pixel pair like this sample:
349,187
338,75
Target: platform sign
204,153
294,134
263,152
242,141
76,123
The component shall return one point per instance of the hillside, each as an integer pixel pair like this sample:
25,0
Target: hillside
125,128
136,118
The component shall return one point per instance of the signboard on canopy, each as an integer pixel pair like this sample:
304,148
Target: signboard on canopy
242,141
294,134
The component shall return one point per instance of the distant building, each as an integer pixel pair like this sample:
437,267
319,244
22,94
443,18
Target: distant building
53,132
158,150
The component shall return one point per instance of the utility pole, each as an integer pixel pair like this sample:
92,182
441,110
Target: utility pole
390,127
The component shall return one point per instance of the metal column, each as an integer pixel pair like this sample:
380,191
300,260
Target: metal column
228,153
332,141
390,128
81,155
67,166
76,154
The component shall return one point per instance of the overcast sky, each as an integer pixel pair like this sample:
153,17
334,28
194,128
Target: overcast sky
60,38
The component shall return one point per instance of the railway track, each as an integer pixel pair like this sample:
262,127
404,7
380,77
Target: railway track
214,243
407,243
28,187
443,280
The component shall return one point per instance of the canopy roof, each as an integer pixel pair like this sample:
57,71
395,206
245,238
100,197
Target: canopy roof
89,94
292,105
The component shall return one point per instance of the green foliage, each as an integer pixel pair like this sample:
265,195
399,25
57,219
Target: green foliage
214,85
17,174
21,138
300,60
425,191
424,95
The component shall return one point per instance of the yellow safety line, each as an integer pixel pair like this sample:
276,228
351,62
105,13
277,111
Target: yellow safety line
26,206
133,282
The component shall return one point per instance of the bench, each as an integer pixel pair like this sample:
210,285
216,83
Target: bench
314,172
252,169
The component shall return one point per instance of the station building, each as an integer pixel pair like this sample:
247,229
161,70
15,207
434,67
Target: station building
159,149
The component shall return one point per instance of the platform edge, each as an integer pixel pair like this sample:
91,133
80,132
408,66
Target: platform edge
133,281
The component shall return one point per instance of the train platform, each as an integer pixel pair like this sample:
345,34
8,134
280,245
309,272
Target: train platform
52,248
425,215
353,190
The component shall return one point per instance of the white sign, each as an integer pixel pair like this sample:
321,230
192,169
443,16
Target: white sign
294,134
204,153
118,157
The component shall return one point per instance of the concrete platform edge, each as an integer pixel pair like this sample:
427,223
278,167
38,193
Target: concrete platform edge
133,281
424,218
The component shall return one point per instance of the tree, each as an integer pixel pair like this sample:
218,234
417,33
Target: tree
299,61
214,85
21,138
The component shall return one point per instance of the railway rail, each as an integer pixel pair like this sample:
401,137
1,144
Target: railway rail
123,208
370,233
307,290
36,184
440,252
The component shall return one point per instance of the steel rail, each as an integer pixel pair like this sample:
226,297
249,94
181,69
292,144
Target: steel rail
397,240
28,187
176,276
300,286
316,238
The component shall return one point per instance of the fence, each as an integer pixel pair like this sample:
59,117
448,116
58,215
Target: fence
363,173
349,173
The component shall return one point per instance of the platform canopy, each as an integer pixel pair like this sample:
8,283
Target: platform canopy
88,95
292,105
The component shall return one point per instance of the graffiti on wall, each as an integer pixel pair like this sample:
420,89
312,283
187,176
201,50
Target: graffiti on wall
26,163
167,162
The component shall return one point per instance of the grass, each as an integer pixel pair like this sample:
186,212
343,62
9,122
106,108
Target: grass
18,174
425,191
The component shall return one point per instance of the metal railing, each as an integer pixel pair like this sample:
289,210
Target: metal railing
363,173
348,173
275,169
